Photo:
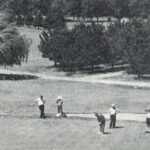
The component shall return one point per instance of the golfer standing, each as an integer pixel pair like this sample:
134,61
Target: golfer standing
148,120
59,105
40,100
101,119
113,112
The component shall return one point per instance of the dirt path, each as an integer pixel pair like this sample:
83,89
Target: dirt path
89,79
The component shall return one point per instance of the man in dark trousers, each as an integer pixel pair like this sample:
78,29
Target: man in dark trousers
101,119
113,112
40,100
59,105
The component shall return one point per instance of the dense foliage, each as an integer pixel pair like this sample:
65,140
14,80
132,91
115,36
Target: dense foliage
83,8
89,46
14,48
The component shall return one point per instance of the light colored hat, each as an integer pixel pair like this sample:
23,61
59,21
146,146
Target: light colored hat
112,105
59,97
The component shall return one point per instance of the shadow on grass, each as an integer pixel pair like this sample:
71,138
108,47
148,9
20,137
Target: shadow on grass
119,127
107,133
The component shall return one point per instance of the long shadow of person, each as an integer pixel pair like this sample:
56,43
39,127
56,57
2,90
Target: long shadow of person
119,127
107,133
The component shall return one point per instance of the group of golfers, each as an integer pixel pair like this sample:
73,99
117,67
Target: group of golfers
101,119
41,102
113,111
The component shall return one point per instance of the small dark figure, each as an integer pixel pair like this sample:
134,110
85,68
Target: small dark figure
40,100
59,104
101,119
113,112
148,120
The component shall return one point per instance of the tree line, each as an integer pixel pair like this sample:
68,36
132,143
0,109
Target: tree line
87,46
83,8
42,21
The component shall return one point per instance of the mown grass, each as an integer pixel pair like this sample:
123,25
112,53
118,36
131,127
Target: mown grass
18,96
66,134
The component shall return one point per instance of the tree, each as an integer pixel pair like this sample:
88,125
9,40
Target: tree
29,20
140,8
44,6
104,8
97,8
21,6
16,6
75,8
51,22
53,45
114,40
89,8
129,43
44,45
14,48
38,21
20,20
122,8
137,49
75,49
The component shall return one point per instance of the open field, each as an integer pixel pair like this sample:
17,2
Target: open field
66,134
17,97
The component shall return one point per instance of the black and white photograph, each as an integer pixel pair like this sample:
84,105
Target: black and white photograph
74,74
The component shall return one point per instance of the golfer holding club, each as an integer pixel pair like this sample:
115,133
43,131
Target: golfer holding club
59,103
113,112
101,119
41,101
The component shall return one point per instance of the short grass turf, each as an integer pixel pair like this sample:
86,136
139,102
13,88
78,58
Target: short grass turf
70,134
17,97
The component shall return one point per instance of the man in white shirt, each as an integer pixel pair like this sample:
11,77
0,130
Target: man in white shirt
113,112
40,100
